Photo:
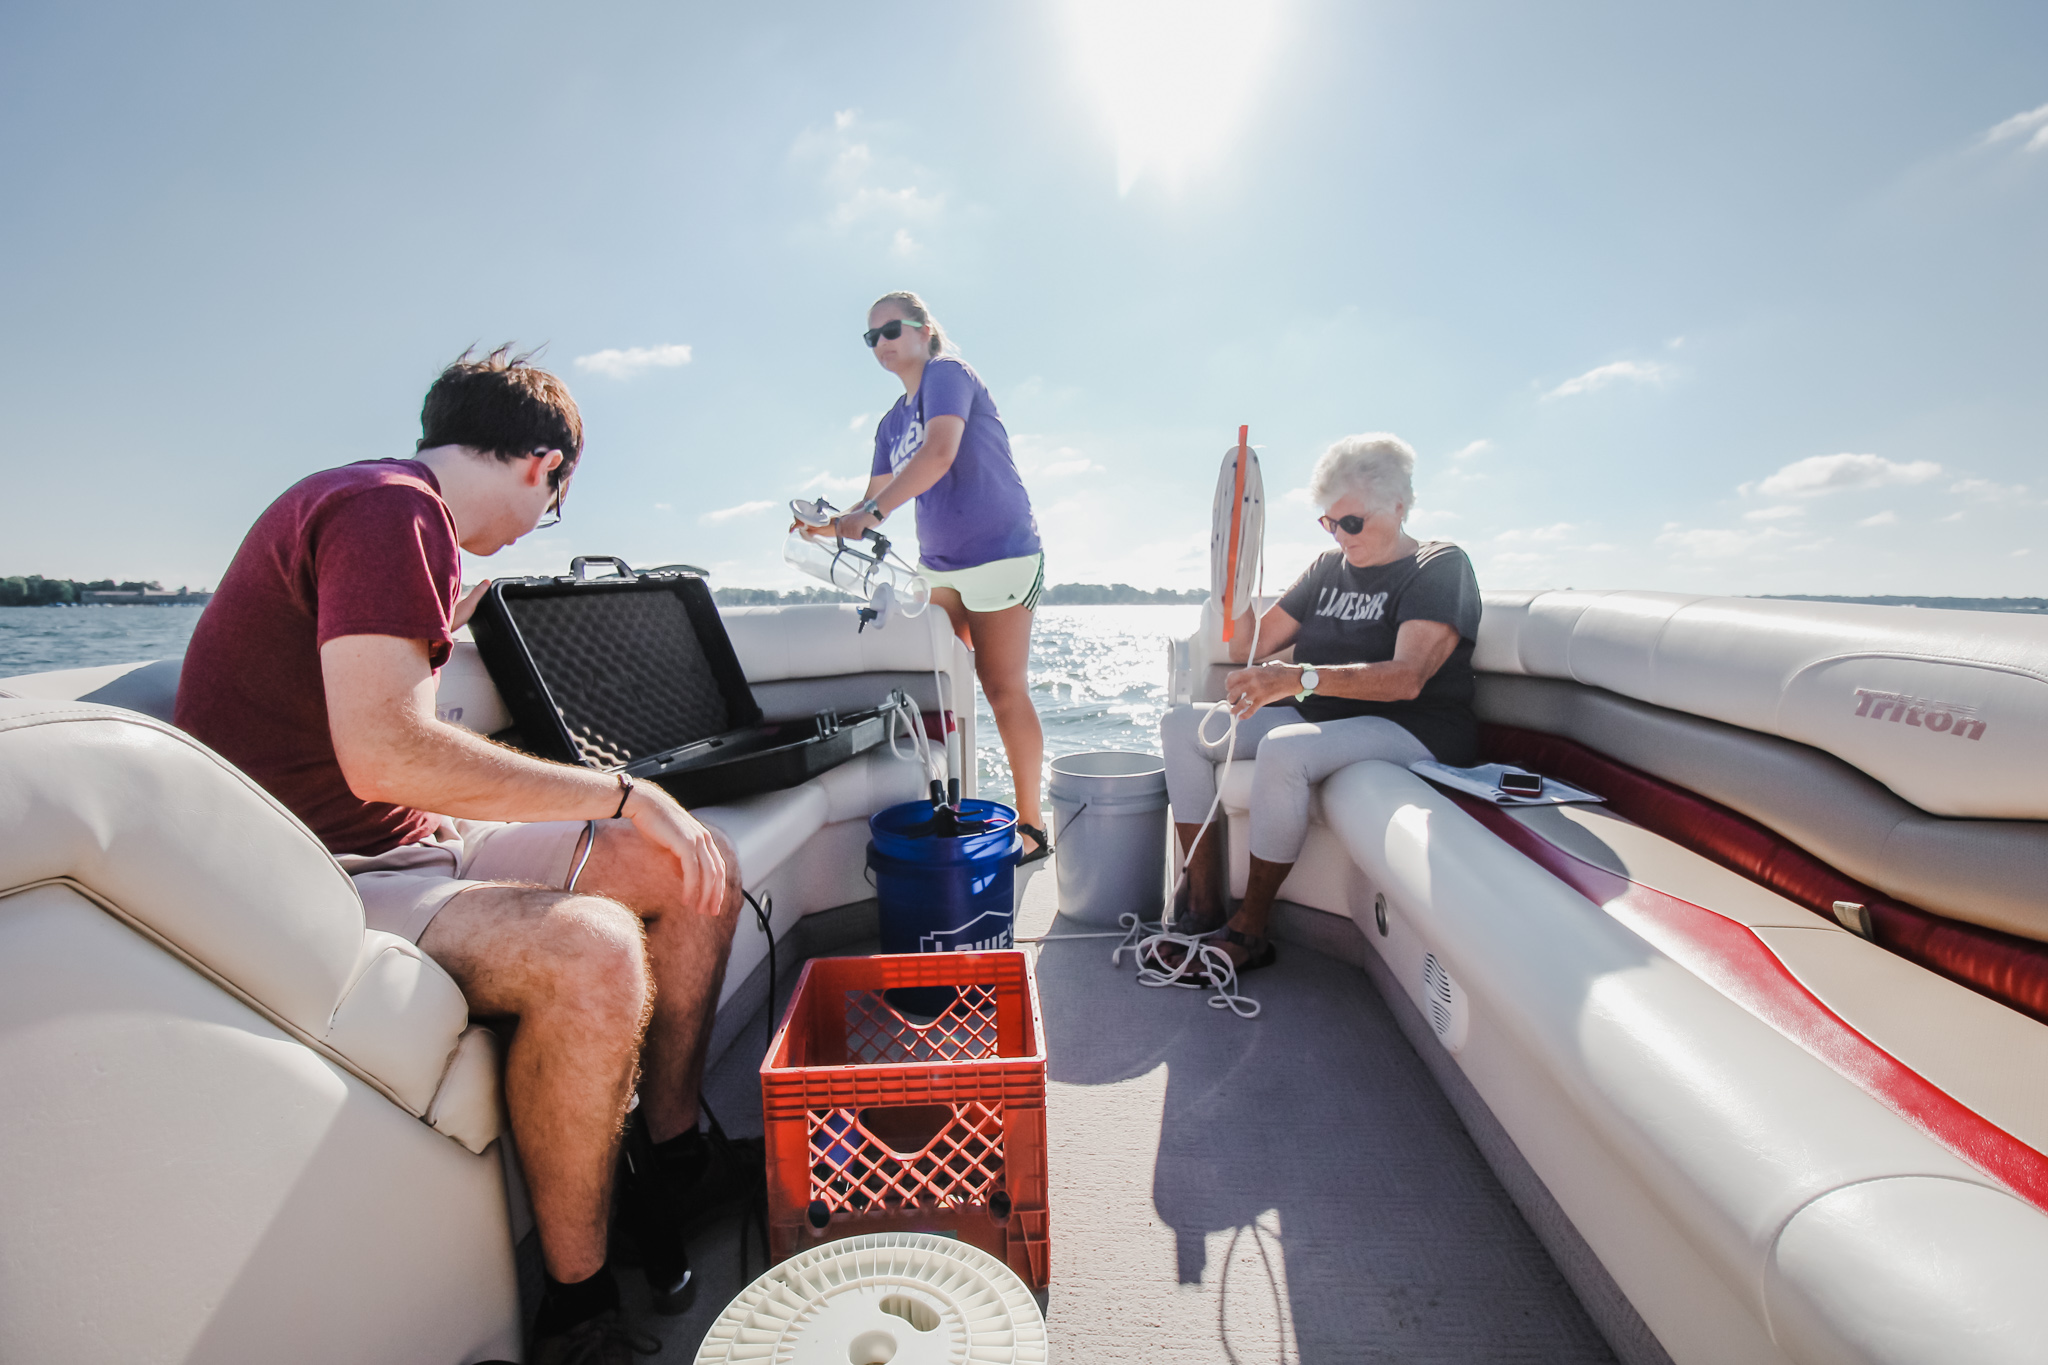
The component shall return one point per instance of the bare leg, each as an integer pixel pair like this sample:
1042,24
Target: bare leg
1002,659
1200,902
573,969
1262,886
687,952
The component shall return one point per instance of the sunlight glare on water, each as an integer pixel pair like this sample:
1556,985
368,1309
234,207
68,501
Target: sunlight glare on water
1098,678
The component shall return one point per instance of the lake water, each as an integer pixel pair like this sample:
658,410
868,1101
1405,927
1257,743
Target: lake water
1098,674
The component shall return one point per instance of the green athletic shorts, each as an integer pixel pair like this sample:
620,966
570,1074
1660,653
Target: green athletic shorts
995,585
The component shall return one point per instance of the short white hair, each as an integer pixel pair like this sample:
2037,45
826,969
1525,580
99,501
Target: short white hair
1378,466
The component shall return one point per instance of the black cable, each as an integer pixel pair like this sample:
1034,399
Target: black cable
761,918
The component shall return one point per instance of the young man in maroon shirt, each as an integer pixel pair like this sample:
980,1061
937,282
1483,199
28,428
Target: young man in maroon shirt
595,912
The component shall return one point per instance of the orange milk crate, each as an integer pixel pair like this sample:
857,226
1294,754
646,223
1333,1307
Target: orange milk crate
878,1123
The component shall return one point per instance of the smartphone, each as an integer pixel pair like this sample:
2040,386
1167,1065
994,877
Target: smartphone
1521,784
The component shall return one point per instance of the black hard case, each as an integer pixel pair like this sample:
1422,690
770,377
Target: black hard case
636,672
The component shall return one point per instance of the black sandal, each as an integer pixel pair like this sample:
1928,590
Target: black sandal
1044,843
1261,950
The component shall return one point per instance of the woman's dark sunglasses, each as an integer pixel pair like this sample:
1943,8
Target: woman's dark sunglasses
888,331
1351,526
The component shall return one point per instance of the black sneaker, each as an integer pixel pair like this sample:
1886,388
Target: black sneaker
652,1209
602,1340
671,1192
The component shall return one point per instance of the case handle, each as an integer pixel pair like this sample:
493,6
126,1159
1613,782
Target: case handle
580,564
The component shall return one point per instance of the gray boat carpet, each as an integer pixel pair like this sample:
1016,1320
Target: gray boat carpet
1289,1189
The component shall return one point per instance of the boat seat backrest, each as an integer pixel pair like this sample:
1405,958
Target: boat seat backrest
151,688
1988,872
1942,707
185,850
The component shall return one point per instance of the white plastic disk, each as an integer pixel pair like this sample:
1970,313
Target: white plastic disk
891,1298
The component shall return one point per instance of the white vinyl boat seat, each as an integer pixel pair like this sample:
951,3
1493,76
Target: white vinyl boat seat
234,1116
183,849
1629,1034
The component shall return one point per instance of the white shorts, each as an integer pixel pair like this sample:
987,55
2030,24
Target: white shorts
405,888
995,585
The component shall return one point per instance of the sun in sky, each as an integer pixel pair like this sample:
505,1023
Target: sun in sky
1175,78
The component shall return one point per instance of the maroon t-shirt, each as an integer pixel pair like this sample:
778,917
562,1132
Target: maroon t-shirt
367,549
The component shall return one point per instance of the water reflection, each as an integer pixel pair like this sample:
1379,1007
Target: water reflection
1098,678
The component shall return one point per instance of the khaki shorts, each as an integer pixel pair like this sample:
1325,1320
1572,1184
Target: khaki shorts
995,585
404,889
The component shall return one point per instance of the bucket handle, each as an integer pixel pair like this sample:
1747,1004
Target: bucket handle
1077,814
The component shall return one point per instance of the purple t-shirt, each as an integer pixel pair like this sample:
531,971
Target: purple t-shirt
978,512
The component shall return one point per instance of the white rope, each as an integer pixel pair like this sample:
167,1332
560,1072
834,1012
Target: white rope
1203,963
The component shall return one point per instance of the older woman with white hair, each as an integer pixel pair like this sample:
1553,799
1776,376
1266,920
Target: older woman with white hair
1382,628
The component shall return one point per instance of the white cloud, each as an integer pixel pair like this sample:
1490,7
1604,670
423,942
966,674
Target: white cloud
745,509
1060,469
1675,343
1775,513
1038,458
1987,490
1880,519
1633,371
1818,474
624,364
1478,447
1953,516
2032,125
860,419
833,483
664,507
1717,543
868,193
1296,495
2023,550
1553,534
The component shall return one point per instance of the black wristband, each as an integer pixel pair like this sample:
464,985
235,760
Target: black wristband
625,791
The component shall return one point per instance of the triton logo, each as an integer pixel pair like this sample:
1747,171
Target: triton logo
1903,708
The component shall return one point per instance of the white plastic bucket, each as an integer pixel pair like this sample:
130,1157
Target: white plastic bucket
1109,835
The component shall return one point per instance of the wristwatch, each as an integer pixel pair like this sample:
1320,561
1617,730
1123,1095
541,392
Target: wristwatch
873,509
1309,680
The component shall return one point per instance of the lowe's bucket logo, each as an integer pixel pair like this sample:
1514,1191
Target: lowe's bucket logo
1939,716
984,933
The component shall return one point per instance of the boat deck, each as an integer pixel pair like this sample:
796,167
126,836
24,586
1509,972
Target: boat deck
1295,1188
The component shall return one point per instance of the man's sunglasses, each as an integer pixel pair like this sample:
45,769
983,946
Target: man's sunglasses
888,331
1350,526
559,481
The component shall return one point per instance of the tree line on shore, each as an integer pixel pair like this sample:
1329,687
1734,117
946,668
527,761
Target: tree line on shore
34,590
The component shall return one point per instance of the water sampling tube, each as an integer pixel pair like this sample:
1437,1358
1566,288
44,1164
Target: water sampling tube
850,568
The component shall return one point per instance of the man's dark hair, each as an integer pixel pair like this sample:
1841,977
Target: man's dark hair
503,404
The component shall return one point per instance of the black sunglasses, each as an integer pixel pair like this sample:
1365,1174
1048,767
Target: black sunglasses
1351,526
888,331
558,479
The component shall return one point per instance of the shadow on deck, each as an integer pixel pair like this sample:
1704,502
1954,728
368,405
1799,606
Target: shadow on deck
1294,1188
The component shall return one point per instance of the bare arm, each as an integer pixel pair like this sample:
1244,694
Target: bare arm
941,447
1420,649
380,713
1276,632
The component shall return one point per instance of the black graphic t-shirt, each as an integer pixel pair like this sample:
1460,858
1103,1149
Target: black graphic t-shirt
1351,616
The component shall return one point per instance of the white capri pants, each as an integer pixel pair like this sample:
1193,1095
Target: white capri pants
1293,754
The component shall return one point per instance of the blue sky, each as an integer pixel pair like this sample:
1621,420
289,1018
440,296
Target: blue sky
1740,298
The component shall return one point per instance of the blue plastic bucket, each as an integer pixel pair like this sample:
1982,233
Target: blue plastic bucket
950,895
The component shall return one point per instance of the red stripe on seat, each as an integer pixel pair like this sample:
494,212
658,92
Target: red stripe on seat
1729,956
2007,968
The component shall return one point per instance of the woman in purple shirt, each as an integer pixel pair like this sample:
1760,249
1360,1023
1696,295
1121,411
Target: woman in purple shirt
943,444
